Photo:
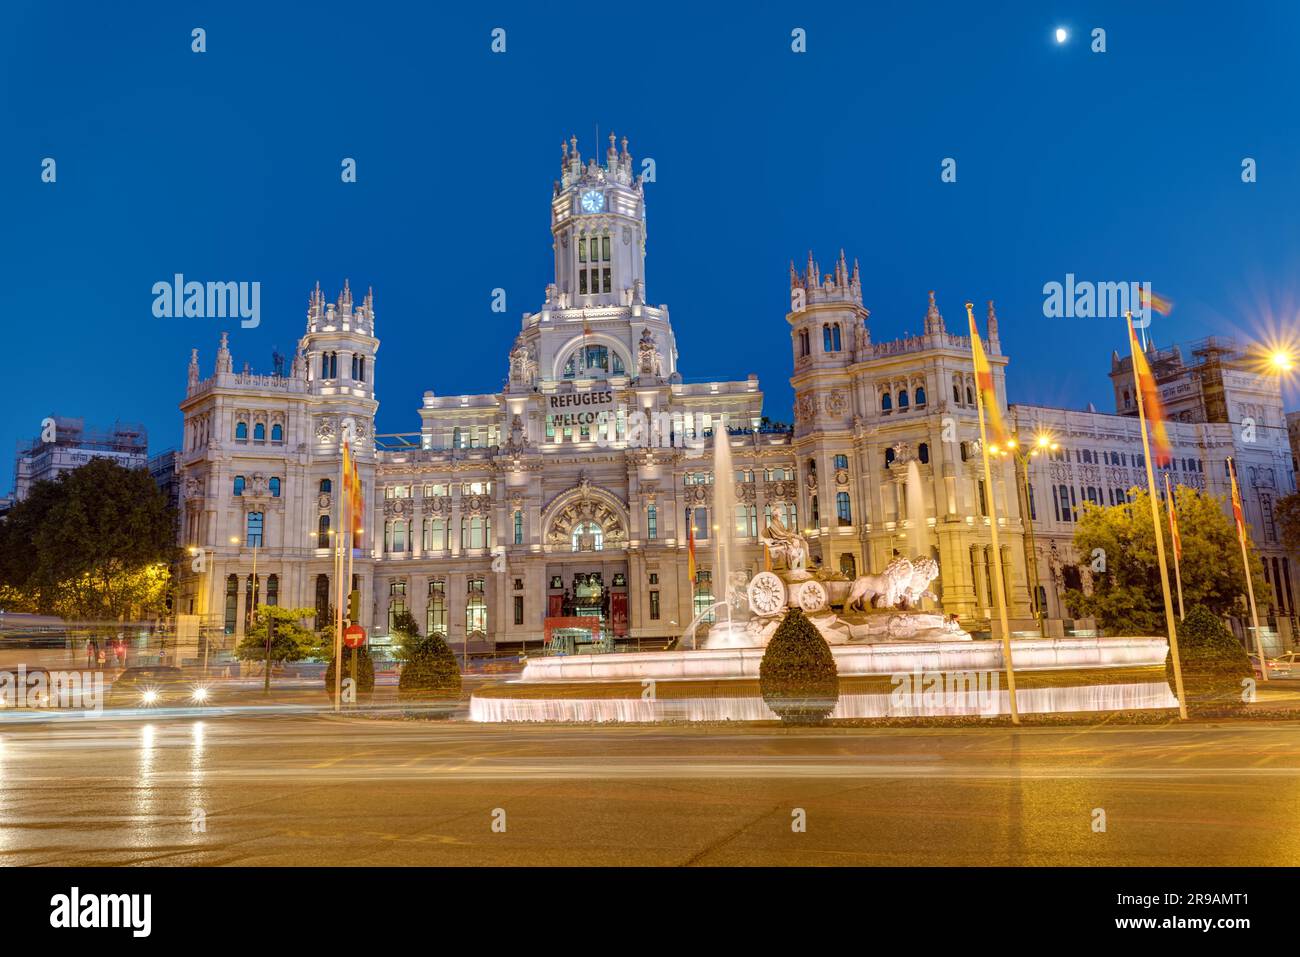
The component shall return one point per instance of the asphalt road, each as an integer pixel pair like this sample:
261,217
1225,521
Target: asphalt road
312,789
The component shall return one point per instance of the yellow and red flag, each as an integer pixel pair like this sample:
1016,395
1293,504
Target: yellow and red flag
690,548
1173,521
1150,405
984,382
357,504
1154,301
345,499
1236,504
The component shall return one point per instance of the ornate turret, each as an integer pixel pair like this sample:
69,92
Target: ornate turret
193,375
224,362
934,319
994,344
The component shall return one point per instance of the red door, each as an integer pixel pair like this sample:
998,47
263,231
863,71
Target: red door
618,612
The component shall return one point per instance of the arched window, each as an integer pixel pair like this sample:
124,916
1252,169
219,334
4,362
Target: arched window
848,566
274,486
923,453
843,511
232,603
239,485
322,600
323,531
277,432
259,432
273,589
970,396
804,347
920,395
889,457
956,391
835,337
902,400
886,403
588,537
826,338
241,431
326,486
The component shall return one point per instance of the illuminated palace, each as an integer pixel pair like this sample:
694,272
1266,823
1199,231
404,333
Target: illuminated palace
568,494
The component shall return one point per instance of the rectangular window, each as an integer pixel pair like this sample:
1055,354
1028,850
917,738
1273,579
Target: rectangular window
701,523
253,537
437,614
654,606
652,523
519,609
519,528
582,282
604,248
582,250
841,461
606,285
475,608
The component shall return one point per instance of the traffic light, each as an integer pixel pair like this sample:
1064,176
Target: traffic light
354,606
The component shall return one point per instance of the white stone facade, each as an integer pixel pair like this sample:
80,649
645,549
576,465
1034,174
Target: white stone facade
570,489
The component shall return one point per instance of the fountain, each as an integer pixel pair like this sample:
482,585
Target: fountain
890,654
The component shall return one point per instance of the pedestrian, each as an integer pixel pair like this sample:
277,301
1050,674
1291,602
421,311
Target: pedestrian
90,652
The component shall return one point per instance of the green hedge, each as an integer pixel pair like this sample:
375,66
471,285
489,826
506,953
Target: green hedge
1214,661
429,669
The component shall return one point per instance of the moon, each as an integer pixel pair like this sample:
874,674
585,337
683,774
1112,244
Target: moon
1061,34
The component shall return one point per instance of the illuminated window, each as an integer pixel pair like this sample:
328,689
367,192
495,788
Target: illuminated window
437,612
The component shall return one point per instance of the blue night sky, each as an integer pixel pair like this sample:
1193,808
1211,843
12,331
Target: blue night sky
225,166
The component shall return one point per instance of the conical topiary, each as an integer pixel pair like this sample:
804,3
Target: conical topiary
365,672
1214,662
797,676
429,669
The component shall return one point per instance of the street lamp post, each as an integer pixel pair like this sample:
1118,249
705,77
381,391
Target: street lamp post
1022,459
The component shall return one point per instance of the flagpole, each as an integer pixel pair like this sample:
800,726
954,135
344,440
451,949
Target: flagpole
1245,565
1176,545
998,582
1159,535
338,578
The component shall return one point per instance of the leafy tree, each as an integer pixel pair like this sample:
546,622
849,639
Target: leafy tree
428,665
797,676
1126,596
96,544
292,640
1214,661
1287,511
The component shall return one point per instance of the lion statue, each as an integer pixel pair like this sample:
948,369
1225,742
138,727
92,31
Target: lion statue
884,590
924,571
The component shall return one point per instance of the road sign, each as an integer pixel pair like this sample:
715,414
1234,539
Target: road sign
354,636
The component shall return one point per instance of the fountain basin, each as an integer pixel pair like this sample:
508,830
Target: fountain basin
877,680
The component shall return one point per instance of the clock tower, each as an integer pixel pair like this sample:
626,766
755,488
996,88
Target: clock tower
598,223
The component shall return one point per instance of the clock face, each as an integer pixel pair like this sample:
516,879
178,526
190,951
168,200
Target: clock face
593,201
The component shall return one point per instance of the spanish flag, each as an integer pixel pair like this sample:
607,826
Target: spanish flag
358,504
690,548
1236,504
346,499
1173,521
984,382
1149,396
1154,301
